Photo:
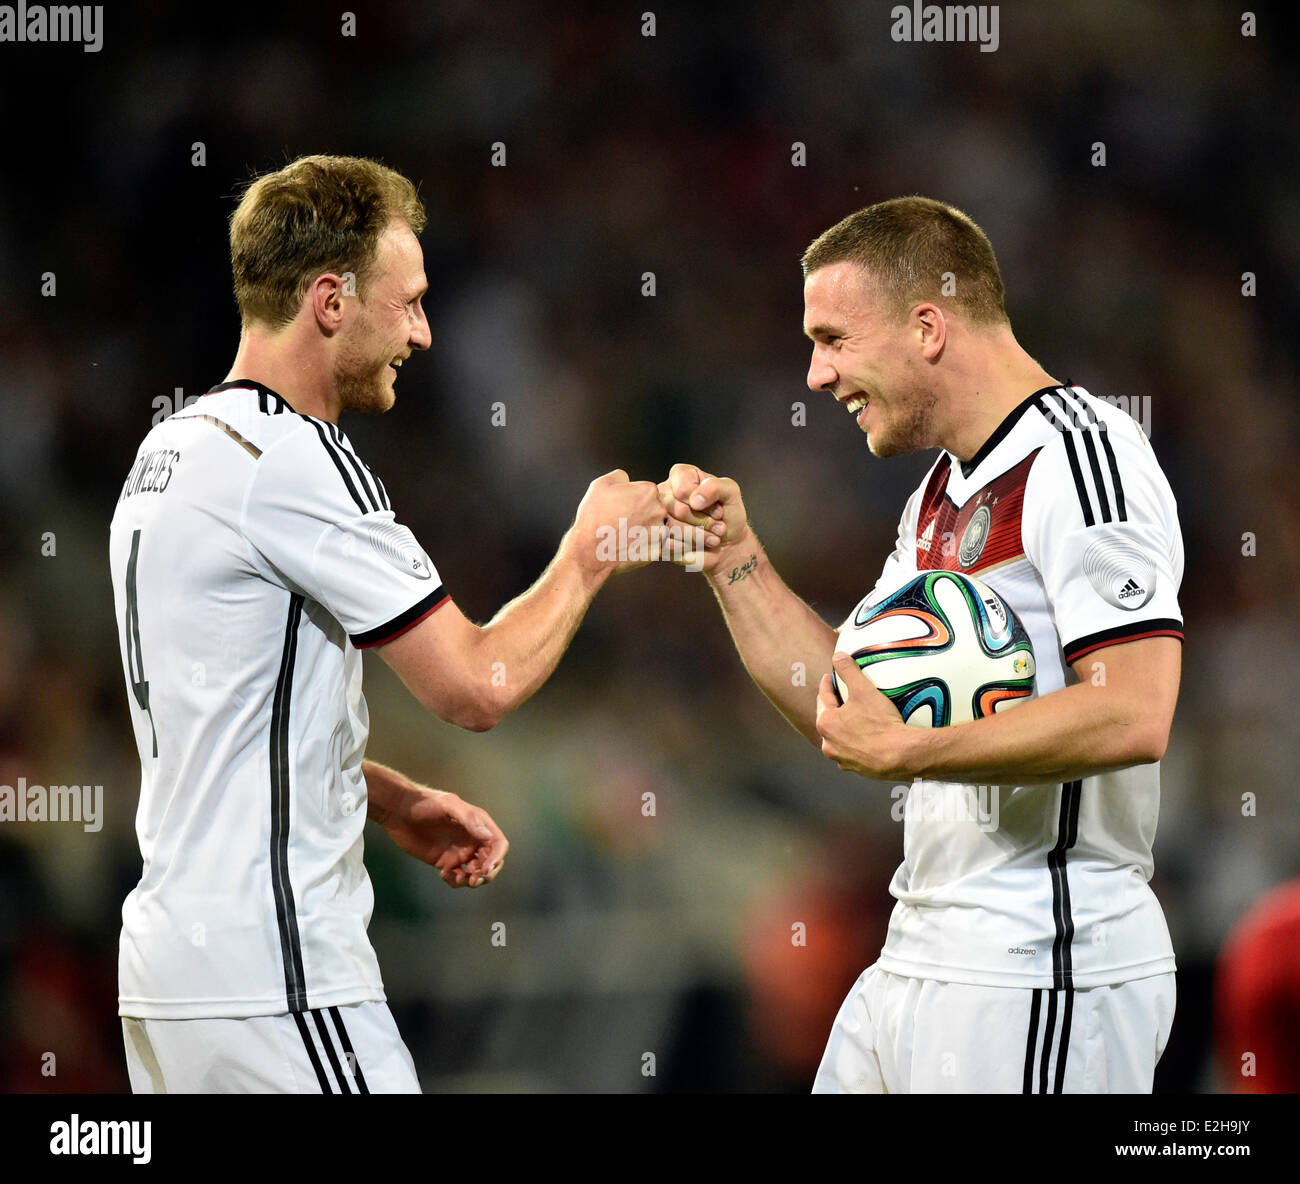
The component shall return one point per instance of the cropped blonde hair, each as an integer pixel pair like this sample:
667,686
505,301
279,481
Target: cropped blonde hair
319,214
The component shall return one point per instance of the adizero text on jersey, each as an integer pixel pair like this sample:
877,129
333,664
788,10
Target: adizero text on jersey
1065,513
252,553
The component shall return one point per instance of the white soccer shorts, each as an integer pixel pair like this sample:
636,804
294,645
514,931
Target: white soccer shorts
352,1049
911,1035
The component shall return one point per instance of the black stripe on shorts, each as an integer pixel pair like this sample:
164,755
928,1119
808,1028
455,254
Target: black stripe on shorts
305,1033
354,1062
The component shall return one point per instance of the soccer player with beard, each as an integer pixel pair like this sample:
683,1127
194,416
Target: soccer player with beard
1033,956
254,554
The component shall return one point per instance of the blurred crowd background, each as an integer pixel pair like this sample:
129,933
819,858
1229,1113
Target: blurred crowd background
629,934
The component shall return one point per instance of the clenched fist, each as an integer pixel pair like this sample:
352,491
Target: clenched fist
695,498
622,524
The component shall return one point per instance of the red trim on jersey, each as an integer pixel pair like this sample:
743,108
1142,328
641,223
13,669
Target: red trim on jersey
1005,498
1072,658
405,628
934,490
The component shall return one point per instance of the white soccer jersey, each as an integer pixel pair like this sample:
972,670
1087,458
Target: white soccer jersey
1064,512
252,553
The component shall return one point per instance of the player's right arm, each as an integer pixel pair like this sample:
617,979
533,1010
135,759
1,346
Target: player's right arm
785,646
319,524
474,675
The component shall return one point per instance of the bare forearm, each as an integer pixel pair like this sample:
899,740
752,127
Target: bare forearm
458,839
388,792
785,646
522,645
1072,733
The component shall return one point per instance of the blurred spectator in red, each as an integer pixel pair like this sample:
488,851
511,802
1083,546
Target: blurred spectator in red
1257,997
805,944
58,1041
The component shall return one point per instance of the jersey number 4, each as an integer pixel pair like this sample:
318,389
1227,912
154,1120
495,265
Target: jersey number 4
134,658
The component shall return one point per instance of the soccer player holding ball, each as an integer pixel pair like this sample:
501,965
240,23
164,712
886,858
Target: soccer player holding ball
1029,955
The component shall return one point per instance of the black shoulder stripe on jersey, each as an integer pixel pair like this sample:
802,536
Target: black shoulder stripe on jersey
1032,1042
1095,428
338,464
1067,834
354,1062
305,1033
1080,483
362,470
1054,415
1069,423
1084,414
1051,412
1068,411
1099,429
1095,464
286,917
374,477
328,1045
1120,511
1076,471
383,493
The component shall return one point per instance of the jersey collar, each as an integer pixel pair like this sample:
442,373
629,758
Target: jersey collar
1000,432
268,400
245,384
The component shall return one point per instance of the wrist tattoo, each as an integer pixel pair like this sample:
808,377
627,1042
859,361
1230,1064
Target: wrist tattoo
745,569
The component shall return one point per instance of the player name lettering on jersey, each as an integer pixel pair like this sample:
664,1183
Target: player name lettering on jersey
151,472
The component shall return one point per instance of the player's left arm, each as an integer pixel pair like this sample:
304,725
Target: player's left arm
1118,714
439,828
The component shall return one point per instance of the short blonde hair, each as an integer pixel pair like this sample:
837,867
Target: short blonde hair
318,214
908,245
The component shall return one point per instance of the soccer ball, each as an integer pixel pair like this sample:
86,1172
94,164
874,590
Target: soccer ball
944,649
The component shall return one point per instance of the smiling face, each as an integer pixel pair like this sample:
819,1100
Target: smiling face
868,361
387,324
